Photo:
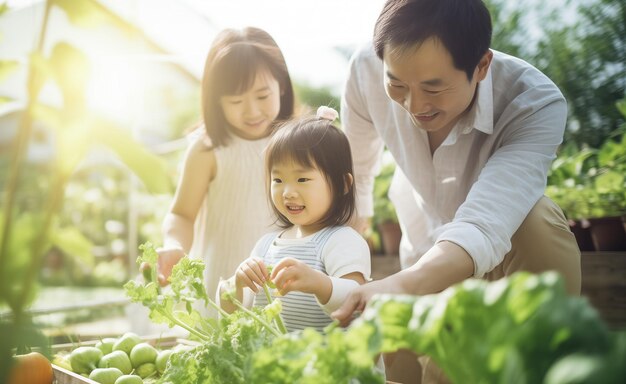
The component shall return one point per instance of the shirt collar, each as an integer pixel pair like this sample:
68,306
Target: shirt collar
480,116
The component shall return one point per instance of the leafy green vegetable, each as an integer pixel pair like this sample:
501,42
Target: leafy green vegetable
511,330
522,329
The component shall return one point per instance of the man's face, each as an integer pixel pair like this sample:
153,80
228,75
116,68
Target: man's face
425,82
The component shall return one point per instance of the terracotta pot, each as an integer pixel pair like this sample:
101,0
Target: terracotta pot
580,229
608,233
390,235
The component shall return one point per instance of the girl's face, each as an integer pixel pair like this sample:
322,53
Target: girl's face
301,194
251,114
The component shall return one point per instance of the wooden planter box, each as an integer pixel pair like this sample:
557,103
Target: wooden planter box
63,376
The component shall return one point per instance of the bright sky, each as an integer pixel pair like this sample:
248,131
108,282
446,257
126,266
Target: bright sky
305,30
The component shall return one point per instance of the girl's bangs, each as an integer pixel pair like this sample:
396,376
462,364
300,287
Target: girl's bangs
236,70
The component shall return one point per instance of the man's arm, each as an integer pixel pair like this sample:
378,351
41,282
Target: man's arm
445,264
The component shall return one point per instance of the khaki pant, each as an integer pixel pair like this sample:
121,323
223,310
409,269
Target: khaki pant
543,242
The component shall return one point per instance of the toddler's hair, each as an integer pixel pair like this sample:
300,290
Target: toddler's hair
314,142
235,58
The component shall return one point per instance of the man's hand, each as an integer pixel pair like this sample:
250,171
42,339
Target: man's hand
359,297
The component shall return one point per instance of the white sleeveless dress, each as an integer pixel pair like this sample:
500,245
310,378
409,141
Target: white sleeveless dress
236,211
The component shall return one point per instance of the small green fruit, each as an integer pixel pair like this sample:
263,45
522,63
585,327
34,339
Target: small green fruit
106,345
105,375
84,359
143,353
127,342
162,359
145,370
129,379
116,359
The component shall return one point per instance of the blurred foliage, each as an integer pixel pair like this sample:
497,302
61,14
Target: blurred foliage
589,183
313,97
582,51
30,227
384,210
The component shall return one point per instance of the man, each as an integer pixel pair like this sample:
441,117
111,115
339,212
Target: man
473,132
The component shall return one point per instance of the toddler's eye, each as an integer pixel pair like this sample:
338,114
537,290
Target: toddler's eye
303,179
275,180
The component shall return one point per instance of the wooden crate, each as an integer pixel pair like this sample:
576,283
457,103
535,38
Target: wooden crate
63,376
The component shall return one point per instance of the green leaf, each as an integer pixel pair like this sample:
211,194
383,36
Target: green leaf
7,67
84,13
70,68
74,244
150,169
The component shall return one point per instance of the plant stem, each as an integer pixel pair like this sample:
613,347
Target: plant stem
22,139
218,308
256,317
192,330
279,320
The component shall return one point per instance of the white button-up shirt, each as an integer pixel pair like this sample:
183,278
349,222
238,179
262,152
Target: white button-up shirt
479,185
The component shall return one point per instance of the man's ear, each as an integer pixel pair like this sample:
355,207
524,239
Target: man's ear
483,65
349,181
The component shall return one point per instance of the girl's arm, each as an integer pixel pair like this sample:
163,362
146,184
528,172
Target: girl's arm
199,168
294,275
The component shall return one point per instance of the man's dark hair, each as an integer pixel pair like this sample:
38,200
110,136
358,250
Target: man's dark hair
463,26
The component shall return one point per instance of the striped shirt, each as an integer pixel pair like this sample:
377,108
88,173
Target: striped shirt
335,251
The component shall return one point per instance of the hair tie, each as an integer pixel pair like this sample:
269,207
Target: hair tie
327,113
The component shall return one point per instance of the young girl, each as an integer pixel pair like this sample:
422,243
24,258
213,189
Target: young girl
316,258
246,90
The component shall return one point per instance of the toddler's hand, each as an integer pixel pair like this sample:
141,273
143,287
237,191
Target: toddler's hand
294,275
252,273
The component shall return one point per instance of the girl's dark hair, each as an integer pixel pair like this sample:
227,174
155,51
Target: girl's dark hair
235,58
315,142
463,26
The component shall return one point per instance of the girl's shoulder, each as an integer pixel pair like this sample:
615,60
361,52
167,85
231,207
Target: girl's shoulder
198,138
200,156
344,232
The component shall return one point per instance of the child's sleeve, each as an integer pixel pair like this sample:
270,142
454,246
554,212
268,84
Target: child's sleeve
345,252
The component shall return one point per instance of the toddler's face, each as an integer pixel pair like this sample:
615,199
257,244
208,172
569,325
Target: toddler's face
251,114
301,194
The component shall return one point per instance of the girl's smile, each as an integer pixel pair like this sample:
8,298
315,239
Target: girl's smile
301,194
251,113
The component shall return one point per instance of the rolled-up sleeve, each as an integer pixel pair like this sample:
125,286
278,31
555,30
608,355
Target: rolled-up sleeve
513,179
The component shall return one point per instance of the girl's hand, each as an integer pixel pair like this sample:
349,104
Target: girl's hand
252,273
294,275
168,257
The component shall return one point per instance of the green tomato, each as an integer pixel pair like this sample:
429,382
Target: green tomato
162,359
129,379
105,375
116,359
106,345
145,370
143,353
84,359
127,342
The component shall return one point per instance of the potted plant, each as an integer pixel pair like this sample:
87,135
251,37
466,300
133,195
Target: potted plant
385,221
590,187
